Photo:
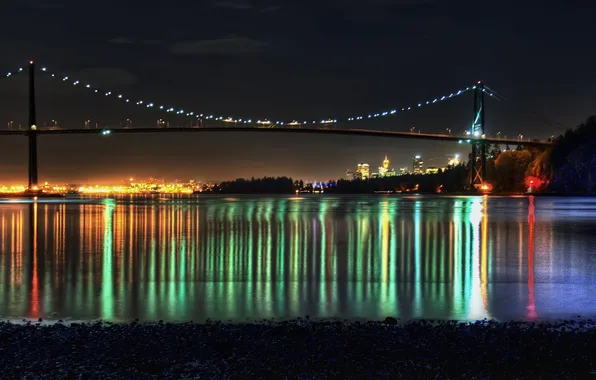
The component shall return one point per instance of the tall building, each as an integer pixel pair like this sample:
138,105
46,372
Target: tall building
418,165
363,171
385,170
403,171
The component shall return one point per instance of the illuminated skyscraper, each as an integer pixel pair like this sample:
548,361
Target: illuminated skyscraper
385,171
363,171
418,165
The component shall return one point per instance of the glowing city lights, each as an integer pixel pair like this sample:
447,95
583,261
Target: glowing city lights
151,186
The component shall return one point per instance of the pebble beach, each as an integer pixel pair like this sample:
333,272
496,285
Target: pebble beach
299,349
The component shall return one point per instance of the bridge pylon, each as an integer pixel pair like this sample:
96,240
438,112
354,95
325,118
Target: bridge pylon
32,132
478,157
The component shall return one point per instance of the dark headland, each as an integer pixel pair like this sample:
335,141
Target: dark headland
299,349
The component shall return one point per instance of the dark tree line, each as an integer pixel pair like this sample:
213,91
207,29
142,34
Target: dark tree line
572,162
567,167
266,185
450,180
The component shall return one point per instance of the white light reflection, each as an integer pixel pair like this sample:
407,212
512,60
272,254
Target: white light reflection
477,309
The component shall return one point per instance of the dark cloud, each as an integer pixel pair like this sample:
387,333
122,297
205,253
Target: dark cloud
121,41
128,41
42,5
373,10
221,46
272,8
106,78
233,5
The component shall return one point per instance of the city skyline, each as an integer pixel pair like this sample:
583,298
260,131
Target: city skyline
243,61
384,161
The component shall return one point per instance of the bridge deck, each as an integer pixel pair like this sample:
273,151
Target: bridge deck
329,131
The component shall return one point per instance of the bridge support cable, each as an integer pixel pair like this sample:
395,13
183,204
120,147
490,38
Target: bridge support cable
12,74
32,131
478,157
233,120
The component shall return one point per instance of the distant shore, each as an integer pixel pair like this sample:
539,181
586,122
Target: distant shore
207,194
299,349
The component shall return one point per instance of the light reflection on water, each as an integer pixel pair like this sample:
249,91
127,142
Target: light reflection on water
241,258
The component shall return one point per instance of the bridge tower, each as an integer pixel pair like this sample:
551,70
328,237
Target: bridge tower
478,158
32,132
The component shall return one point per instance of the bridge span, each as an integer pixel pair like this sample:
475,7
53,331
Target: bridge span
477,138
278,129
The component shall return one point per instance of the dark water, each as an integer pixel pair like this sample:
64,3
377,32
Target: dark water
182,259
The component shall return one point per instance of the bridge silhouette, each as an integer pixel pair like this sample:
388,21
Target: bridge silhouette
475,136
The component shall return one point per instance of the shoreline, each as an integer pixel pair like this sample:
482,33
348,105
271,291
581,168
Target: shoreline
568,320
300,348
216,195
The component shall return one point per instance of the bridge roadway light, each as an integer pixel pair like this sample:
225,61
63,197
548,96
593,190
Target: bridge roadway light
230,120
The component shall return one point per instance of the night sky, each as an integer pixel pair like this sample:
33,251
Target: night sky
285,60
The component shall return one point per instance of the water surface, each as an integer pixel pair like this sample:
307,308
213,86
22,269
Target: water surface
181,259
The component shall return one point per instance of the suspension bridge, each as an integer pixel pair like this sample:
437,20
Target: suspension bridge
203,123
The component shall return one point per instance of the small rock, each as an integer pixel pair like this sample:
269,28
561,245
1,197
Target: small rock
390,321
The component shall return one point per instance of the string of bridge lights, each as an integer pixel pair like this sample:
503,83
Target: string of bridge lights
13,73
294,122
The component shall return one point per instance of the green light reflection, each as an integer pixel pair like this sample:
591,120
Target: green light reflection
107,284
409,257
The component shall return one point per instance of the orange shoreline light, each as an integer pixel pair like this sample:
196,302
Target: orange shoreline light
486,187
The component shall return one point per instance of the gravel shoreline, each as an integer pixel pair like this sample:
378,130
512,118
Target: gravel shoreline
299,349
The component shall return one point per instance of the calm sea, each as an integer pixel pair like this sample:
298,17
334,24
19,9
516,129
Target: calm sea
246,258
